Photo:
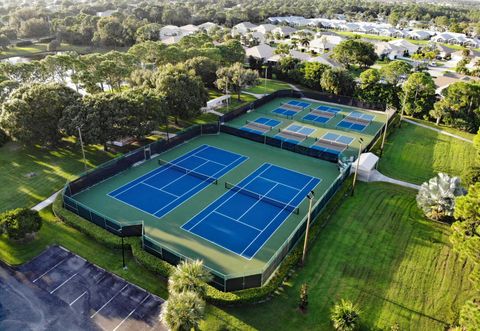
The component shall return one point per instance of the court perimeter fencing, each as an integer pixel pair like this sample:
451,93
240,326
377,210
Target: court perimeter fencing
235,282
118,165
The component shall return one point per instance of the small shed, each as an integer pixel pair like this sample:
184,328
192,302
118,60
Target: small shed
366,164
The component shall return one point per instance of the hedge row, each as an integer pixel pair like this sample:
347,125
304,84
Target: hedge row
99,234
24,43
214,296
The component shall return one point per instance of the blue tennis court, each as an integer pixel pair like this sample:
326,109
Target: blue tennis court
316,118
294,133
333,110
248,214
356,121
338,138
297,103
261,125
284,112
165,188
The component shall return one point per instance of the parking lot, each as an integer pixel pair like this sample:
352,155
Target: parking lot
59,290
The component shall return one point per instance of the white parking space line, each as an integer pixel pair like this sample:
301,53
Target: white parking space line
106,303
128,316
81,295
64,282
46,272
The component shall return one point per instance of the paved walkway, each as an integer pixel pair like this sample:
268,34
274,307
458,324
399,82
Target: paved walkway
46,203
377,176
437,130
211,111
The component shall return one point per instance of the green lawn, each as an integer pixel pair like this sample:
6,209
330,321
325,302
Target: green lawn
31,174
39,48
272,86
234,102
415,154
386,258
443,127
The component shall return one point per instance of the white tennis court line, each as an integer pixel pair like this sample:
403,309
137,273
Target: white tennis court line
155,171
278,214
279,183
193,188
106,303
159,189
234,194
78,298
46,272
128,316
66,281
233,219
219,163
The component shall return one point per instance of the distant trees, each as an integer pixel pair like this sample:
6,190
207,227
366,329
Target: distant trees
34,28
205,68
436,197
235,78
419,94
353,51
338,81
32,113
312,72
184,92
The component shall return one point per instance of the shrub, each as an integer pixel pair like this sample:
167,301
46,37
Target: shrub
470,177
345,316
53,45
24,43
18,223
3,137
46,39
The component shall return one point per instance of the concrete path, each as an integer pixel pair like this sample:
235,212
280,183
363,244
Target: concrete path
377,176
46,203
438,130
211,111
256,95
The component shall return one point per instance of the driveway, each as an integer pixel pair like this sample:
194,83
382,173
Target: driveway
59,290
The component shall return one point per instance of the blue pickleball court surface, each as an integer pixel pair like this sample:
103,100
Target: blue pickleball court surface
333,110
297,103
165,188
284,112
316,118
346,124
245,217
269,122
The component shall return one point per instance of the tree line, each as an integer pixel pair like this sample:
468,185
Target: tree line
77,23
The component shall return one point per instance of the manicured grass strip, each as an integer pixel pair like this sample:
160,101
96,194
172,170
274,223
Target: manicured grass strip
416,154
378,251
31,174
56,232
272,86
445,128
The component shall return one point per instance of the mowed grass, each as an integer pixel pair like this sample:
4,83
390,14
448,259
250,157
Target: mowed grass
379,252
55,232
416,154
234,102
31,174
39,48
271,85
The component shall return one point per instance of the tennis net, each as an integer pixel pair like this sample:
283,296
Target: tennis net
358,120
322,113
256,125
291,107
330,143
263,198
187,171
292,135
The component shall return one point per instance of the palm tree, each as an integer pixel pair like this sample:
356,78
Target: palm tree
437,196
305,42
345,316
183,311
189,276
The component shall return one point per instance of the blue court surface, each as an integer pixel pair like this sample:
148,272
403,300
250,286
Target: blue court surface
247,215
284,112
298,103
338,138
302,131
346,124
333,110
265,124
165,188
316,118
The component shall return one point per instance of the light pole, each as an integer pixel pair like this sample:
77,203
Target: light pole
385,132
123,252
266,70
356,166
83,150
310,197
